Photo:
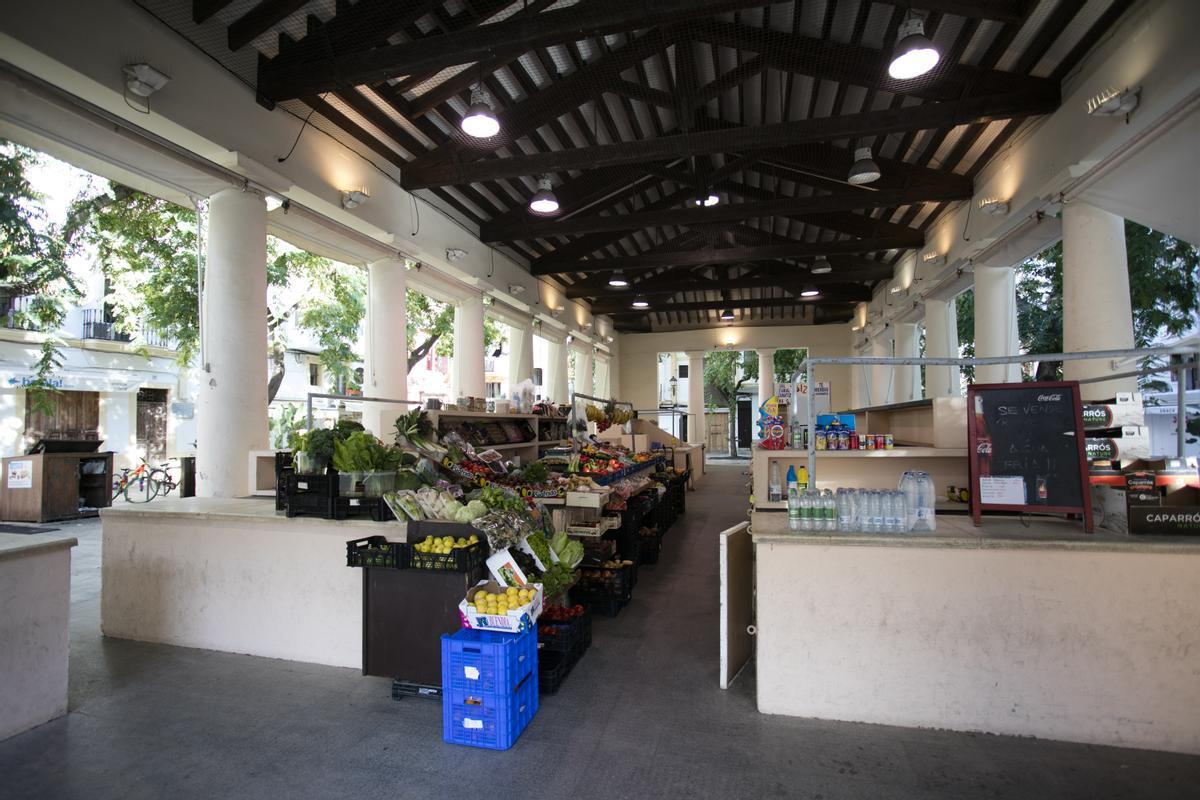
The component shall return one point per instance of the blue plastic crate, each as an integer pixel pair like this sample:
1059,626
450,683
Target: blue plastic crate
486,661
487,719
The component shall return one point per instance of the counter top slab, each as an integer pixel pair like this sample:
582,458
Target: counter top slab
15,545
238,509
995,533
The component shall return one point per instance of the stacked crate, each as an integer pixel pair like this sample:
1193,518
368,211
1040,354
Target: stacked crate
489,687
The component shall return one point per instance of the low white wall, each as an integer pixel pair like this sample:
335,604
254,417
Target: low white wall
35,605
1097,647
269,587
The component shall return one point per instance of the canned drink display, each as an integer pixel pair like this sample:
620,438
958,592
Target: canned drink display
880,441
870,442
854,437
862,441
888,441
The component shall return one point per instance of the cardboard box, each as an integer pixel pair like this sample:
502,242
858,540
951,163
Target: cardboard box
1154,508
1127,410
845,420
505,570
517,620
1110,508
1132,443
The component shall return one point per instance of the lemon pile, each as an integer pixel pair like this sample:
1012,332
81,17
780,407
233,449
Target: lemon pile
444,544
500,603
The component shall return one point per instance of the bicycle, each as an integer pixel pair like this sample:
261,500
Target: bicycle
166,483
137,484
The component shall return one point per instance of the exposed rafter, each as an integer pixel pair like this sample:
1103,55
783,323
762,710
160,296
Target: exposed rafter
848,294
286,80
258,20
671,283
714,255
750,138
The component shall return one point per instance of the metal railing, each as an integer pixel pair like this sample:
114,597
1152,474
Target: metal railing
1112,355
355,398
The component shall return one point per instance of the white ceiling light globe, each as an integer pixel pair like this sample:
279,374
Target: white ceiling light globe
915,54
480,121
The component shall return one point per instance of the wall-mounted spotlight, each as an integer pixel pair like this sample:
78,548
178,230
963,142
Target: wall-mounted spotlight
821,266
516,288
934,258
1113,102
455,254
353,198
993,206
143,79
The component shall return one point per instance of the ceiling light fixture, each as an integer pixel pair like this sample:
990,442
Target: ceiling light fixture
706,199
993,206
810,291
273,202
544,203
455,253
640,302
618,280
933,257
914,54
896,290
354,198
727,315
821,266
1113,102
864,170
143,79
480,121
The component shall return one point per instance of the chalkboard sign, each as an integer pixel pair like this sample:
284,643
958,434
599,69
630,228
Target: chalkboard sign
1026,449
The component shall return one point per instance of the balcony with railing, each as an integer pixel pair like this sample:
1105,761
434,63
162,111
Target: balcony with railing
98,325
12,310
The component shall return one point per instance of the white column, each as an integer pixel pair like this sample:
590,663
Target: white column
695,399
766,375
468,348
995,322
231,414
941,341
604,378
556,379
585,371
12,422
883,378
1096,305
385,370
907,379
520,353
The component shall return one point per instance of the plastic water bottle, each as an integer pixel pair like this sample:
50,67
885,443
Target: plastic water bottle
901,511
793,500
774,487
887,512
875,511
845,511
806,511
829,508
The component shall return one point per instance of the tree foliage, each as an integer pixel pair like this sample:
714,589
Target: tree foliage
432,321
33,265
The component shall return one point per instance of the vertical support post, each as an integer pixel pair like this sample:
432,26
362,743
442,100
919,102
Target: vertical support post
385,369
812,424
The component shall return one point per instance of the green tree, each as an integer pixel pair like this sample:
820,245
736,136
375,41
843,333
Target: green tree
725,372
33,265
432,321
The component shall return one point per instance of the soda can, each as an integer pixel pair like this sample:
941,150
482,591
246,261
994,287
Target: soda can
880,441
854,437
870,441
862,441
888,441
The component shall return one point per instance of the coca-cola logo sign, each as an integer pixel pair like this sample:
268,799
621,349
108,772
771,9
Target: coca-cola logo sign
1049,398
984,448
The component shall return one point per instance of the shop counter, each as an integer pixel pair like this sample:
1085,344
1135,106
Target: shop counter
232,575
1037,630
35,605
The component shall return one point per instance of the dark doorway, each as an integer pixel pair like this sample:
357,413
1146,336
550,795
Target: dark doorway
683,421
152,424
745,422
72,415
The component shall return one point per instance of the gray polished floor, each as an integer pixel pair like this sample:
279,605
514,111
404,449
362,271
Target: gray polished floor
640,717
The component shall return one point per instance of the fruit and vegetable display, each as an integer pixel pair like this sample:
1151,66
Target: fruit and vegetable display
444,545
512,598
362,452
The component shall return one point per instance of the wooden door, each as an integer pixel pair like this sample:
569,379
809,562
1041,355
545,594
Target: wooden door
73,416
152,424
737,601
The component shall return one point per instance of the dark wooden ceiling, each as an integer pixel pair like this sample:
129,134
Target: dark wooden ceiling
633,107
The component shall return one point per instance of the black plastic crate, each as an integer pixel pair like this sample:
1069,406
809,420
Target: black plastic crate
374,508
603,582
556,637
601,604
308,505
402,689
553,669
377,551
461,559
651,547
283,462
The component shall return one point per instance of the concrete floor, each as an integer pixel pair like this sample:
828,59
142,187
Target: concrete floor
640,717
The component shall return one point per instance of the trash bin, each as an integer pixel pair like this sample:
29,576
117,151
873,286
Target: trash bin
187,485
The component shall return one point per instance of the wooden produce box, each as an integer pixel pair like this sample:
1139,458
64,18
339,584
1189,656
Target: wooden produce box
54,486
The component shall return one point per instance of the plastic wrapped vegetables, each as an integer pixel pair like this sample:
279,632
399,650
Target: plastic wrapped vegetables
568,550
404,504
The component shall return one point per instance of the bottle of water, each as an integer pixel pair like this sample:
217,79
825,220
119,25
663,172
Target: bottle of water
887,512
875,511
845,509
829,505
901,511
774,485
805,511
793,506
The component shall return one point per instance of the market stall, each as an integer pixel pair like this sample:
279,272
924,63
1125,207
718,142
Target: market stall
463,520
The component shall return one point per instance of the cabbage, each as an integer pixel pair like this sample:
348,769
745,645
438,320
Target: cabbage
476,509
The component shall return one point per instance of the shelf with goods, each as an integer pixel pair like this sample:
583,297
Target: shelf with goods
864,469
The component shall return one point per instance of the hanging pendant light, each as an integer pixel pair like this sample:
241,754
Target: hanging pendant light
810,291
544,203
864,170
915,54
480,121
618,280
706,199
821,266
640,302
727,315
